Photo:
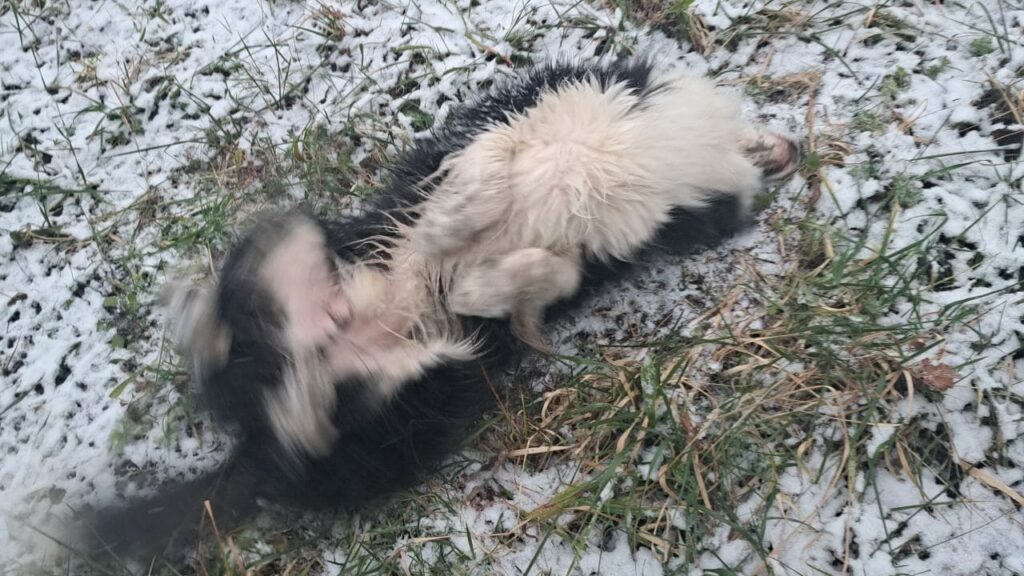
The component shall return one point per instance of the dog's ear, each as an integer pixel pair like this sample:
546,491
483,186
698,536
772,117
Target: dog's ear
198,333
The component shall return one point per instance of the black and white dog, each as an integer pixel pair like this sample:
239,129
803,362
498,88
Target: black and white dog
350,357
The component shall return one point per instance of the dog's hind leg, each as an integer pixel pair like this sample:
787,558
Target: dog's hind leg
520,284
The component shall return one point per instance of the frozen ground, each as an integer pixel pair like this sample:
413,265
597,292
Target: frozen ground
851,392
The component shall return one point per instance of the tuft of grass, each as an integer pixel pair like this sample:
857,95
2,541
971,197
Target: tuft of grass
794,88
981,46
938,66
894,84
421,121
868,121
889,26
676,18
904,191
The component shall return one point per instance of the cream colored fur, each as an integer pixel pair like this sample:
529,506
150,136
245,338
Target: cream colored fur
587,172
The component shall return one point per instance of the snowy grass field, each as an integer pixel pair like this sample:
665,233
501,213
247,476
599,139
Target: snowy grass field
838,391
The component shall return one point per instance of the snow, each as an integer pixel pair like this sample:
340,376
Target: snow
113,101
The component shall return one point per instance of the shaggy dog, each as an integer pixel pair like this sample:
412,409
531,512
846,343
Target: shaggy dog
350,357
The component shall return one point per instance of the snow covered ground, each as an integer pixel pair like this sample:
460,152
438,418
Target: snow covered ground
134,137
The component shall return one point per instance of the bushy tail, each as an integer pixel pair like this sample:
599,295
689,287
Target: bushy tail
165,524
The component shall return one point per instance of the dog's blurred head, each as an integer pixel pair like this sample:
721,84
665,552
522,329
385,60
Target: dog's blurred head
296,344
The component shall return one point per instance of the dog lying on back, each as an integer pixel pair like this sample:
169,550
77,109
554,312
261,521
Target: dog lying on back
351,356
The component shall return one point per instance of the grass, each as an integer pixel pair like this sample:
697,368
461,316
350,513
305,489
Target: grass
672,439
817,346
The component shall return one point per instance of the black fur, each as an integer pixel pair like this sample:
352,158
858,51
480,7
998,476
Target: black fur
391,448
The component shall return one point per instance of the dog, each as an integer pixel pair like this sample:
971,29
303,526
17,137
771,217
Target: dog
349,357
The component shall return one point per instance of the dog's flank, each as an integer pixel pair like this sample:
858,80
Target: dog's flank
350,357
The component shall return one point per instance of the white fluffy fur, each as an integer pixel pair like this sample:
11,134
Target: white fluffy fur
587,172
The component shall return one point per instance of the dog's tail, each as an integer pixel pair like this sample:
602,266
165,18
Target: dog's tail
164,524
